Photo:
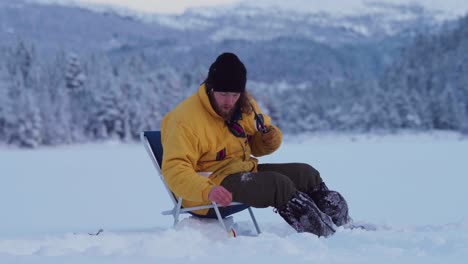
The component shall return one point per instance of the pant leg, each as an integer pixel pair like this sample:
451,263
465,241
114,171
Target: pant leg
305,177
260,189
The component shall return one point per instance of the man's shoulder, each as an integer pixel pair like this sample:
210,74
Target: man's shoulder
187,112
187,107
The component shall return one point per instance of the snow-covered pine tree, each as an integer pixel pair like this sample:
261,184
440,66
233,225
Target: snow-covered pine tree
131,83
74,75
55,103
170,88
5,102
106,102
23,125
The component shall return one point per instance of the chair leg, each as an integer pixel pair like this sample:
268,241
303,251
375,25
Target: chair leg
254,221
177,211
218,214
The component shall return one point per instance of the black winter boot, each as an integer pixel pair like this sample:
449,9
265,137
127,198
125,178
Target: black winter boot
302,214
331,203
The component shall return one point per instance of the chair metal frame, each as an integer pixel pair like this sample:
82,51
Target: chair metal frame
177,208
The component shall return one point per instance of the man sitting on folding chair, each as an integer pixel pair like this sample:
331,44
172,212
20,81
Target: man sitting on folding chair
209,140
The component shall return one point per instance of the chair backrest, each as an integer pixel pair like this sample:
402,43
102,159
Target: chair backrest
154,140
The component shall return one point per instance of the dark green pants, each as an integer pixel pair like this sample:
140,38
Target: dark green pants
273,184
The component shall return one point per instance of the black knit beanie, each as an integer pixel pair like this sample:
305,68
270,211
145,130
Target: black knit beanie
227,74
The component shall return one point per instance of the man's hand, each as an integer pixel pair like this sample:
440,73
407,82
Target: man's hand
270,134
220,195
271,139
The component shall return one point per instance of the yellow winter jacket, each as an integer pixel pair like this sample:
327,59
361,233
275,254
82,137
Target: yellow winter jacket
196,142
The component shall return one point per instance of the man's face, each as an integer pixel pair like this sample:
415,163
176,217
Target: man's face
224,103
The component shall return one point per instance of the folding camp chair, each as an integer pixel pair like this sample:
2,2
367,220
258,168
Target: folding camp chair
152,142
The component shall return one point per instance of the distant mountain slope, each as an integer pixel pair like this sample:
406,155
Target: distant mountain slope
251,21
50,27
54,25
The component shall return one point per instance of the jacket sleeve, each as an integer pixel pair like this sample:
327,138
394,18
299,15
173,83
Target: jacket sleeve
258,145
261,148
179,162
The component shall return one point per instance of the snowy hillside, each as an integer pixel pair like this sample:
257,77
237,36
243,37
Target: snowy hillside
327,22
445,8
412,187
309,19
266,20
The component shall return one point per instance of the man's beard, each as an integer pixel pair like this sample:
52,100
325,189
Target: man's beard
225,115
218,109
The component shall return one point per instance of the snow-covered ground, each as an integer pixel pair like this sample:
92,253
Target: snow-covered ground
411,186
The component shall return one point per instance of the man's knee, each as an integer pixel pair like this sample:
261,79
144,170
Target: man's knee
310,170
312,175
279,181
